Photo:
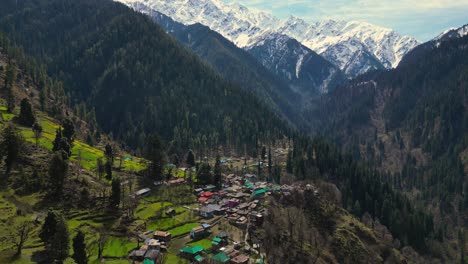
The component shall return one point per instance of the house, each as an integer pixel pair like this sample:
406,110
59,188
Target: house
206,194
222,193
206,212
210,187
217,242
154,244
152,255
191,252
202,199
233,202
162,236
223,235
177,181
241,259
137,255
143,192
198,259
259,193
199,232
206,226
198,191
217,210
242,221
220,258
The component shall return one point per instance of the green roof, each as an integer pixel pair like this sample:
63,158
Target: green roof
217,239
260,192
192,250
220,257
148,261
259,261
198,258
248,184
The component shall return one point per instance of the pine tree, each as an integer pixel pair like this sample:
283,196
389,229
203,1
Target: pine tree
79,248
114,200
108,169
289,163
10,79
204,175
37,130
217,173
11,146
190,159
155,153
58,170
48,228
68,131
59,246
26,116
109,152
269,164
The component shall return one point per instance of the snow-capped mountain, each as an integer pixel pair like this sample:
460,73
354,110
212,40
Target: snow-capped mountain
305,70
452,34
355,47
419,51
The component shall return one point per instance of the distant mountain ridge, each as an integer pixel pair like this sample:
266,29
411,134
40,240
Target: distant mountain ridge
354,47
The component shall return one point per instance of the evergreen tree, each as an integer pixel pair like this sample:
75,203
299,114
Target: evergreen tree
26,116
48,228
204,175
217,173
190,159
155,154
108,169
269,164
57,140
263,153
79,248
11,146
37,130
59,246
109,152
58,170
10,79
114,200
68,131
289,163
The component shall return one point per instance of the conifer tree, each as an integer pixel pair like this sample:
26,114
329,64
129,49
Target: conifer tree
79,248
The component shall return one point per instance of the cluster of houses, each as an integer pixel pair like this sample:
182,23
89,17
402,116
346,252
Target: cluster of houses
239,201
220,252
153,246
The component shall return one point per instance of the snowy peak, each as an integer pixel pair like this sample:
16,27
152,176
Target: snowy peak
244,27
452,33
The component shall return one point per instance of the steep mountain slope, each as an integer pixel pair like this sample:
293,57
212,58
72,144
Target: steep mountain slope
290,62
412,121
245,27
135,76
237,66
307,72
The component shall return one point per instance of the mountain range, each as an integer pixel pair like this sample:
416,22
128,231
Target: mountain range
354,47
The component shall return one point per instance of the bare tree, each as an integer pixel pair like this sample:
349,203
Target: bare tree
20,230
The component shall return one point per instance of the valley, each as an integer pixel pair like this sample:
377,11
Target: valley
203,131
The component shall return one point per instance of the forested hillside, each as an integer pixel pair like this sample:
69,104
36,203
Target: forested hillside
412,121
137,79
237,66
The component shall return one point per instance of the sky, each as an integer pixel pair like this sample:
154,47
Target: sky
422,19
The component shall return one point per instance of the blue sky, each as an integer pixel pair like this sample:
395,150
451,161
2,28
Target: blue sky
422,19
